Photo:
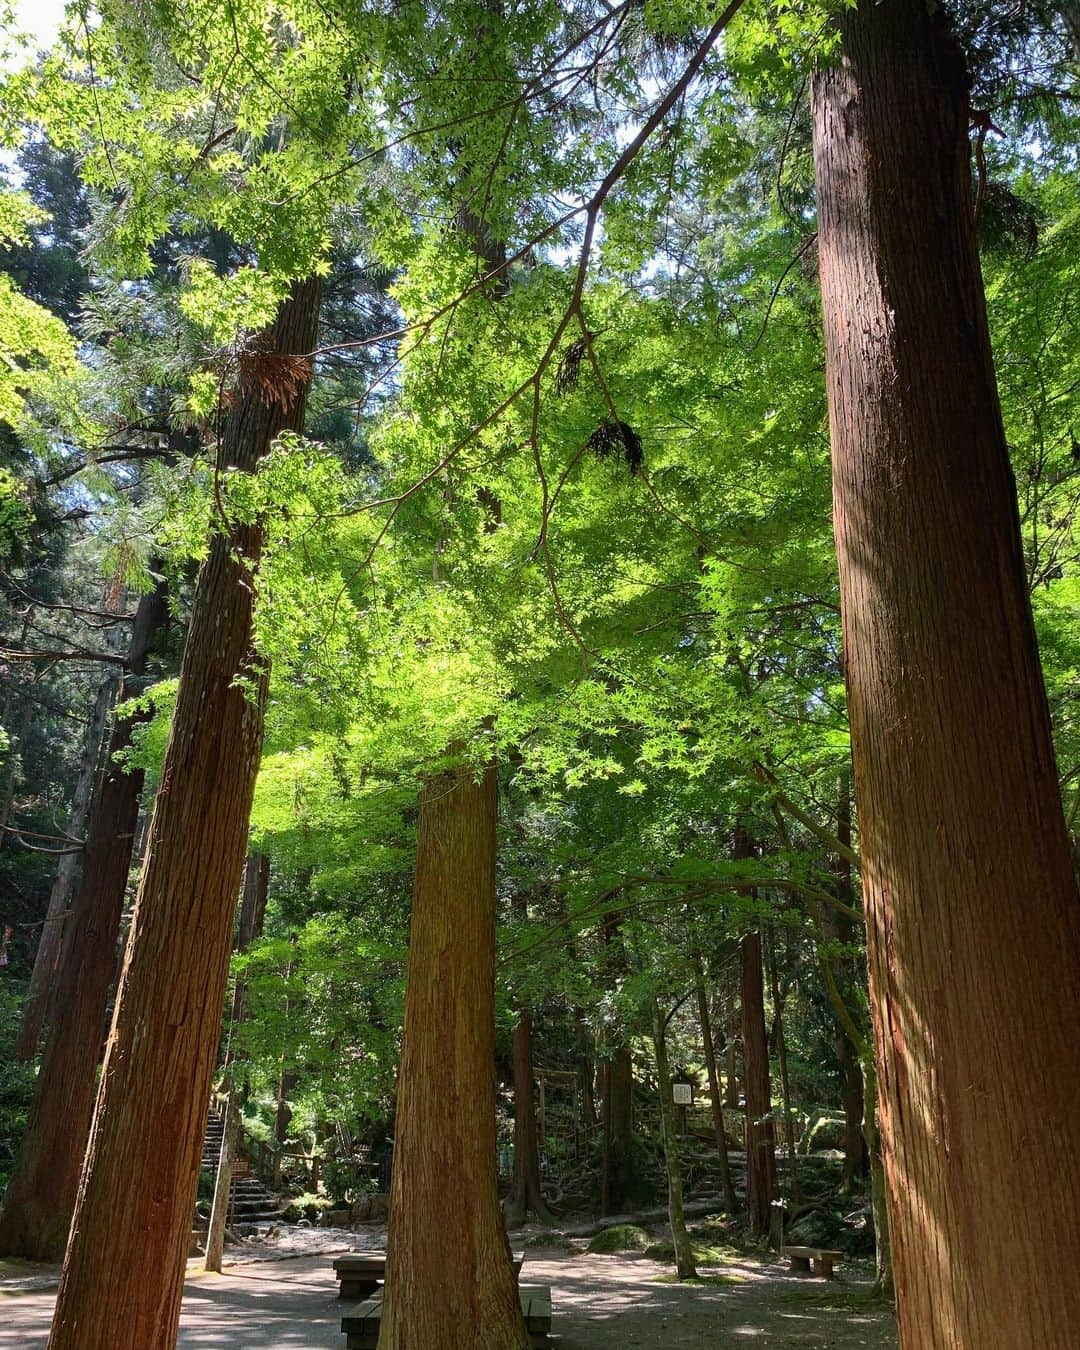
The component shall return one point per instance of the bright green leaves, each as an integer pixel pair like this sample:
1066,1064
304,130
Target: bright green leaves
231,116
38,361
223,306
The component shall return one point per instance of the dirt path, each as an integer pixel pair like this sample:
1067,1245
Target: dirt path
600,1303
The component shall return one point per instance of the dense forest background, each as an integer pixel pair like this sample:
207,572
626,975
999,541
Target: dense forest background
555,515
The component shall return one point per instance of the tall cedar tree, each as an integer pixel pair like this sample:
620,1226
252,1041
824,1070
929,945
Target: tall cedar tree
51,942
40,1197
148,1125
972,910
449,1279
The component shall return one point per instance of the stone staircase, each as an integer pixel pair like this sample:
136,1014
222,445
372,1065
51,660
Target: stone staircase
250,1202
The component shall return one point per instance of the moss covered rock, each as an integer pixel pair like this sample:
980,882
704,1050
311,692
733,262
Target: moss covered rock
624,1237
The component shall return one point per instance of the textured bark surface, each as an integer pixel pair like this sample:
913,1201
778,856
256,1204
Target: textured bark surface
727,1187
40,1197
449,1280
684,1257
618,1180
972,910
137,1192
47,957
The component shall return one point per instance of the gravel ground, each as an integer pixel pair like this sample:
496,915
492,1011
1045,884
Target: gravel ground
270,1295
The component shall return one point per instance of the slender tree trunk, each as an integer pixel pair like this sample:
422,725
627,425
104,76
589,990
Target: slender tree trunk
253,901
619,1171
837,926
40,1198
147,1134
785,1083
527,1196
973,916
727,1186
449,1280
760,1135
684,1256
588,1073
853,1105
219,1210
760,1146
67,869
732,1097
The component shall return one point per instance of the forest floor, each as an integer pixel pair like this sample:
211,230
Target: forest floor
619,1302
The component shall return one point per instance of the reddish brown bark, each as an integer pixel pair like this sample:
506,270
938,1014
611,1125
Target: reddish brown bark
449,1280
973,916
40,1196
50,944
137,1192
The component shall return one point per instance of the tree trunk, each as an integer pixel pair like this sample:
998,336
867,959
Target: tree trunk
588,1073
619,1181
684,1256
839,927
760,1146
449,1280
40,1197
253,900
526,1196
219,1211
726,1185
137,1191
785,1083
732,1097
973,915
619,1106
853,1105
67,868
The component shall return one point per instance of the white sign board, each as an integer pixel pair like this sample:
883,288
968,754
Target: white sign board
682,1094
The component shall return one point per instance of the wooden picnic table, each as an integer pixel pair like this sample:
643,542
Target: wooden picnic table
359,1274
361,1323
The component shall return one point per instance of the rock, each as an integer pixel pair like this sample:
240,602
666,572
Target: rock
623,1237
361,1210
334,1218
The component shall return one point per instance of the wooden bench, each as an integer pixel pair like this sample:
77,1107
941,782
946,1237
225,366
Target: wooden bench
359,1274
361,1323
822,1259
